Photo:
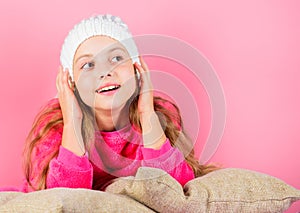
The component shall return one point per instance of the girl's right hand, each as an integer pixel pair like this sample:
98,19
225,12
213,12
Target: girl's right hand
67,100
72,114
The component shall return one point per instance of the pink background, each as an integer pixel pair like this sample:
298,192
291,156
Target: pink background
253,46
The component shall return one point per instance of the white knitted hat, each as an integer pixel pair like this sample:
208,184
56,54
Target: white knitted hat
107,25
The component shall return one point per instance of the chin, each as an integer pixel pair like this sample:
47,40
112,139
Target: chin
109,105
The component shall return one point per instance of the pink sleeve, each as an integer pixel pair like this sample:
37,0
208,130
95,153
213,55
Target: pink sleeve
70,170
169,159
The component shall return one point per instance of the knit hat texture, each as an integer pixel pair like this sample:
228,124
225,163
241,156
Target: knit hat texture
107,25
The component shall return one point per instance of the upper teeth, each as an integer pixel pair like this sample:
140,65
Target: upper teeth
107,88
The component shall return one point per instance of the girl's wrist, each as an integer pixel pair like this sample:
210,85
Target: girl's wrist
146,116
153,133
72,122
72,126
72,138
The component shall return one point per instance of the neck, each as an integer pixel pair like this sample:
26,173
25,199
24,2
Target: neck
111,120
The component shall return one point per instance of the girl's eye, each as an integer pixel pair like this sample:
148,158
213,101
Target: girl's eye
88,66
116,59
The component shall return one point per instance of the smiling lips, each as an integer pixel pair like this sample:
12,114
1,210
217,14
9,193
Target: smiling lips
108,89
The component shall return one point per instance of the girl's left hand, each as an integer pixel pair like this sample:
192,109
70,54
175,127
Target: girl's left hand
145,103
153,134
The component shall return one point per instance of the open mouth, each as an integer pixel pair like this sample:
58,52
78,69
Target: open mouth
107,88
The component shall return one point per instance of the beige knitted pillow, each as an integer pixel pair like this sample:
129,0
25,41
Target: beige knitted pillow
68,200
225,190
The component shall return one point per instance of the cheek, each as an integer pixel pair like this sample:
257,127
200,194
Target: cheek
128,78
125,71
130,85
85,86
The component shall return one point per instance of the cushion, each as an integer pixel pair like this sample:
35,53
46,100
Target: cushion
68,200
224,190
153,190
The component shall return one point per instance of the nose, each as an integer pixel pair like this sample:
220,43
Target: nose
103,75
103,70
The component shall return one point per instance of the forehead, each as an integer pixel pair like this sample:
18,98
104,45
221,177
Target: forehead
97,44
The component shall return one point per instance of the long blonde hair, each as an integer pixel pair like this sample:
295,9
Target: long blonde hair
170,119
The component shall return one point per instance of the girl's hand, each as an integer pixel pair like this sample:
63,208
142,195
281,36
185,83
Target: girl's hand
145,103
72,115
153,134
67,100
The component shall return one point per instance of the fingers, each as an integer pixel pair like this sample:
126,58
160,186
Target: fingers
62,80
139,69
145,102
145,80
59,85
143,64
143,70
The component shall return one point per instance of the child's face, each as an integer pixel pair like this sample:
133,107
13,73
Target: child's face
103,73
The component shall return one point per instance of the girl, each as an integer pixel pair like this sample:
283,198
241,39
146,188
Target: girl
106,122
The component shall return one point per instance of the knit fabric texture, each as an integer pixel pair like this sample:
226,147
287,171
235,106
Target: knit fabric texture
107,25
114,154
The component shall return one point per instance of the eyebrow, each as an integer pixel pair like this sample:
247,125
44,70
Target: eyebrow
82,56
91,55
116,48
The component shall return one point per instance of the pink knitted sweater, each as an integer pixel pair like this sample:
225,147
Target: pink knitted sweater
114,154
